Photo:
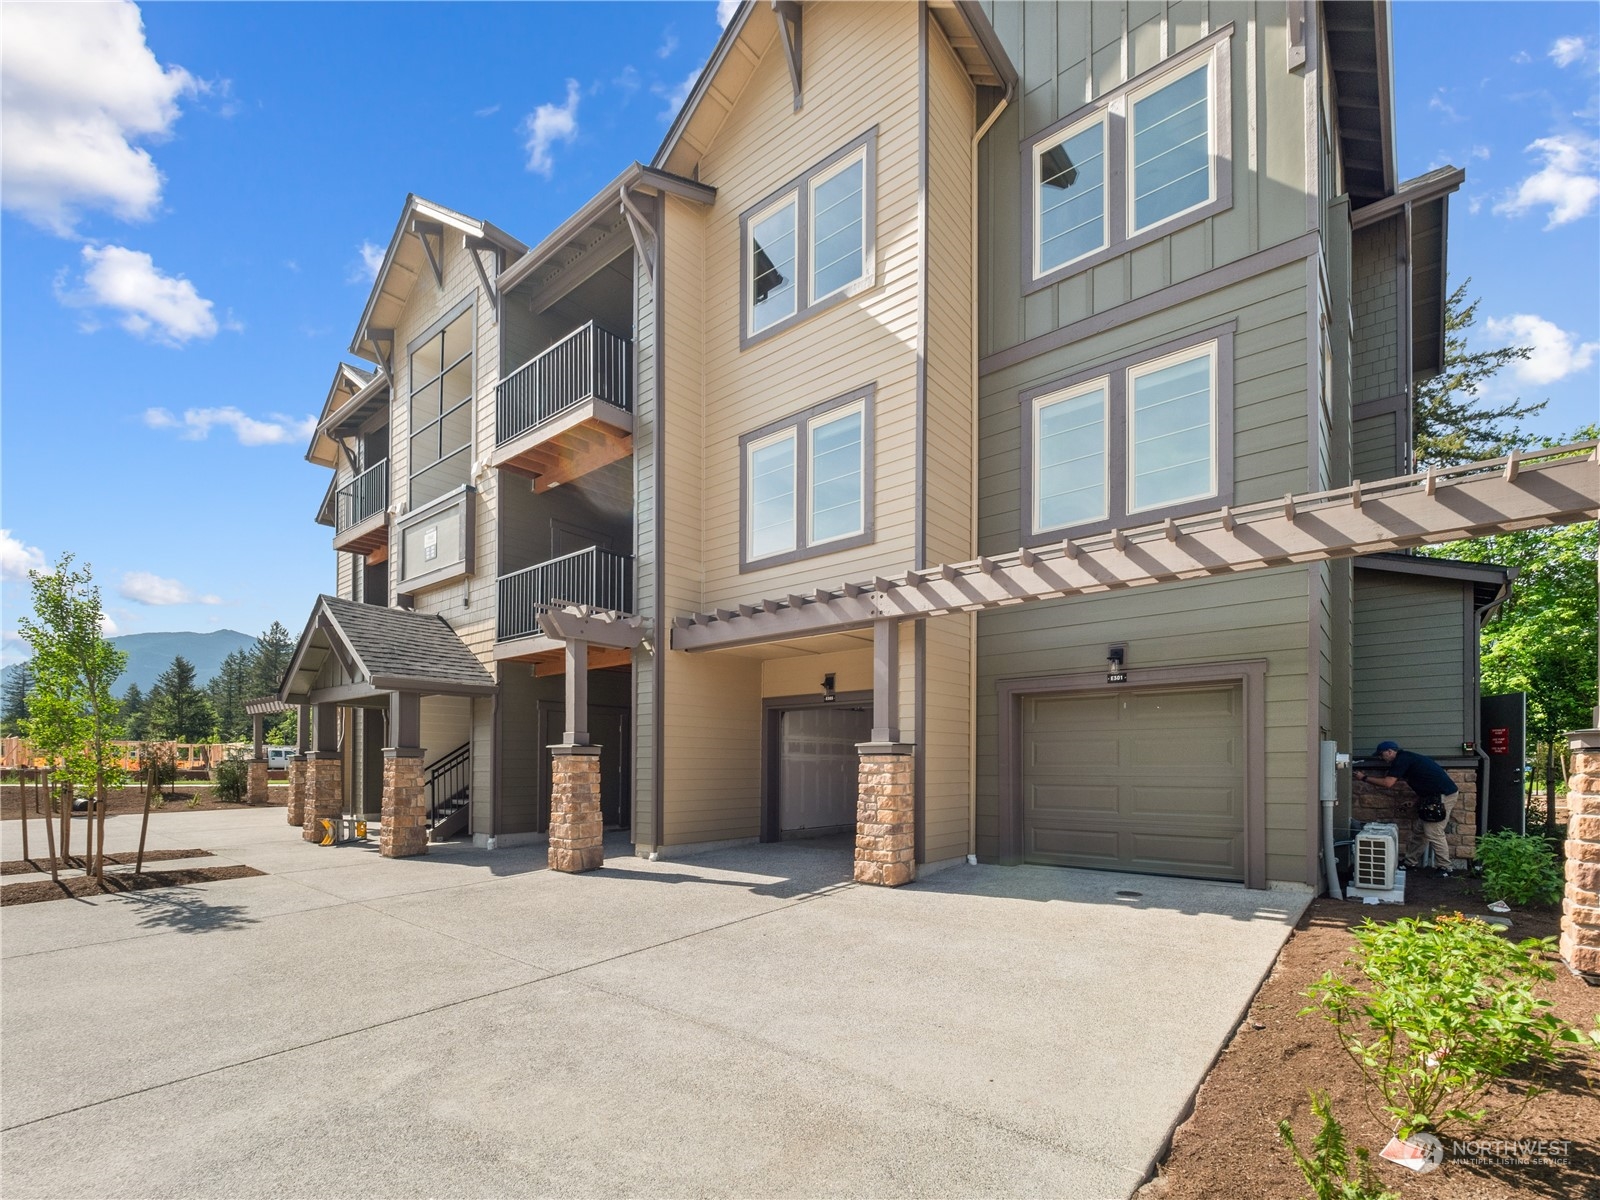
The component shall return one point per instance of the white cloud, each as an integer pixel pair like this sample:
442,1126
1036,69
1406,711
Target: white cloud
367,269
196,424
725,11
1556,353
487,110
676,95
143,587
548,124
17,558
1568,184
669,43
1567,50
78,86
1482,152
161,308
1439,104
108,627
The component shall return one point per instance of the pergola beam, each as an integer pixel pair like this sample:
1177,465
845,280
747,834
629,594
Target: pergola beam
1547,487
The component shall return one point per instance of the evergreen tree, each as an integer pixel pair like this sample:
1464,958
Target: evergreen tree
181,713
14,700
271,655
135,712
228,691
1451,423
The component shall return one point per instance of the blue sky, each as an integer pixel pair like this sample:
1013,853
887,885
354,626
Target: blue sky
194,193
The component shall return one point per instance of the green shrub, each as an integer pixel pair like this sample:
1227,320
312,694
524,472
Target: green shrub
1518,869
1446,1011
232,777
1327,1169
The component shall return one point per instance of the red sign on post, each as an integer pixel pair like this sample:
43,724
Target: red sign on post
1500,741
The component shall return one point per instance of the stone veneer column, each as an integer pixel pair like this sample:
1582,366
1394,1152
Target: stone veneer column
1580,909
256,790
885,815
297,789
405,813
577,833
324,796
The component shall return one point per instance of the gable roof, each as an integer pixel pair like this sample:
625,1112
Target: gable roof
753,29
382,650
406,259
348,381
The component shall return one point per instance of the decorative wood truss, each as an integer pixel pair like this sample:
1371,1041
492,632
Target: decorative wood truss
1557,486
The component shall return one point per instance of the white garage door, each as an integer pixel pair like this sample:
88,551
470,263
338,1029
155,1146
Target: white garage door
1148,780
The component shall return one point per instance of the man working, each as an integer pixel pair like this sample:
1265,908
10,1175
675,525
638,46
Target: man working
1436,797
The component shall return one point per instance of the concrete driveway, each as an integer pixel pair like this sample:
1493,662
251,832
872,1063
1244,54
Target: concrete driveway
746,1023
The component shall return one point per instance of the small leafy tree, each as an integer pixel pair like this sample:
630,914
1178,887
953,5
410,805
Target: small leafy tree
1327,1167
284,729
232,777
1451,422
1445,1011
72,713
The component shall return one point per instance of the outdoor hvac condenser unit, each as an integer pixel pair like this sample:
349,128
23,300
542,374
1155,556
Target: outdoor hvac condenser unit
1377,853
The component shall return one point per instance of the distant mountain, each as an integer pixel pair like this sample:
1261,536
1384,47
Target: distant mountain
149,654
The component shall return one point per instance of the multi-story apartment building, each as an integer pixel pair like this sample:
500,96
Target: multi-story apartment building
806,480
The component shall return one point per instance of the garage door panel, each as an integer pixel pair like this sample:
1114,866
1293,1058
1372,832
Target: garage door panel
1136,780
1188,704
1074,847
1082,754
1174,854
1044,800
1184,753
1182,803
1068,712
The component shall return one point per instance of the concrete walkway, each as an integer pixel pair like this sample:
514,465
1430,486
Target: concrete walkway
748,1023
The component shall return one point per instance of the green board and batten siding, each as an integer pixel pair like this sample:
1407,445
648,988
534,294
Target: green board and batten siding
1408,679
1265,616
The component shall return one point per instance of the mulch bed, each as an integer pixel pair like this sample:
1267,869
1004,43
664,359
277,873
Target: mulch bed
125,801
29,866
85,885
1229,1146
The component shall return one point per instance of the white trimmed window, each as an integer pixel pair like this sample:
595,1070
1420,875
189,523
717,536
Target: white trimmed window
809,244
1137,440
1169,145
1147,158
808,482
1069,196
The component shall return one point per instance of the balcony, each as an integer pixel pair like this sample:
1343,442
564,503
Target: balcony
567,411
361,523
593,576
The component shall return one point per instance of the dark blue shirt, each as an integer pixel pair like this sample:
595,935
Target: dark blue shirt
1421,774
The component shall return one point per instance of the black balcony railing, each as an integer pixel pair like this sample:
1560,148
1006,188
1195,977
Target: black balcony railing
590,363
593,576
364,496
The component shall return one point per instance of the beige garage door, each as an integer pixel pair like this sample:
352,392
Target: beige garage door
1149,780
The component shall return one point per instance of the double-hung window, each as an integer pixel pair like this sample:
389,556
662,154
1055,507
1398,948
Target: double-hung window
1131,442
1145,159
810,243
807,482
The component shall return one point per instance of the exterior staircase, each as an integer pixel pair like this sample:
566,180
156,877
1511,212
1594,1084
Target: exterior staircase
449,787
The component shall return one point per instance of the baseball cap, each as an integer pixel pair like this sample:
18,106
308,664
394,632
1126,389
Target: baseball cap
1382,746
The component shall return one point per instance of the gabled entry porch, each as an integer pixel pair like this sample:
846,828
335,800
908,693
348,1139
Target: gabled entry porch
360,674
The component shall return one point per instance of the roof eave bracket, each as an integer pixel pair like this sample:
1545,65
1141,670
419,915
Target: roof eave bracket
641,226
788,14
475,246
431,235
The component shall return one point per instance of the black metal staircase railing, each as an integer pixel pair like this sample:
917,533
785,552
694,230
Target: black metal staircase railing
593,576
590,363
449,785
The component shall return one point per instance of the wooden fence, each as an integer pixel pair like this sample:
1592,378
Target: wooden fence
17,754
